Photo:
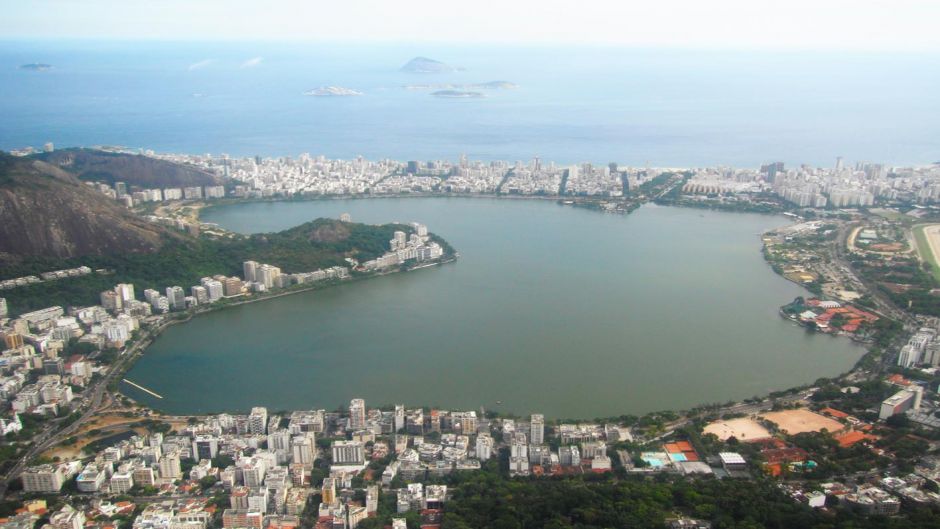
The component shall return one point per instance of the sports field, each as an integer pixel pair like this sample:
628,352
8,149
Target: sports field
741,429
802,421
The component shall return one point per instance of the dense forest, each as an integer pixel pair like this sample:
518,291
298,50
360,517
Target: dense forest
310,246
489,499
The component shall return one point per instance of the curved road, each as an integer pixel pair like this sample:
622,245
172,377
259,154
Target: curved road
95,399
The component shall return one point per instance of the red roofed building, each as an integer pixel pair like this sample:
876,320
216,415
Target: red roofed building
853,437
832,412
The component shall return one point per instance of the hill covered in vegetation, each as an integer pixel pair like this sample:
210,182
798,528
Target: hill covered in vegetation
184,260
132,169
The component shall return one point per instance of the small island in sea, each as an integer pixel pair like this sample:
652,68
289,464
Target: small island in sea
332,91
36,67
425,65
491,85
458,94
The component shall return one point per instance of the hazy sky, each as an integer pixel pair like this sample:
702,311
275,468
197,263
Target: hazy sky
908,25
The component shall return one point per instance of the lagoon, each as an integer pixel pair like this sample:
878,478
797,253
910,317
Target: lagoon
551,309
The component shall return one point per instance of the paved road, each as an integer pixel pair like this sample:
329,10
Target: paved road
95,399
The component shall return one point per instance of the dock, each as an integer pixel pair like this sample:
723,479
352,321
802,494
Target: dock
145,390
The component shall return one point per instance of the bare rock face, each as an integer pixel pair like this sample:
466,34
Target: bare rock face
46,211
329,232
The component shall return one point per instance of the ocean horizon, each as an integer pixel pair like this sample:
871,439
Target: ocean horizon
633,106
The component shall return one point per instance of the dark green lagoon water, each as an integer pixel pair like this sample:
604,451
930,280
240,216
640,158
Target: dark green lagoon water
550,309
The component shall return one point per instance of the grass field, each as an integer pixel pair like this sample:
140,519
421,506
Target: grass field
925,251
889,214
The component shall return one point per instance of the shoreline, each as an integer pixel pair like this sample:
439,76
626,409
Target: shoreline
202,206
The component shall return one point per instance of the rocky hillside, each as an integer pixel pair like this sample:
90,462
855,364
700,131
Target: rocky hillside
134,170
46,211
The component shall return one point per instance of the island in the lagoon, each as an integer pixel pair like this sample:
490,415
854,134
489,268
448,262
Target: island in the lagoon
426,65
492,85
36,67
457,94
332,91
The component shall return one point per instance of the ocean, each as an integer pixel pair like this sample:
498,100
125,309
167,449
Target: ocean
667,108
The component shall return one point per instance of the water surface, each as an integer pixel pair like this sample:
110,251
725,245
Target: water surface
671,108
550,309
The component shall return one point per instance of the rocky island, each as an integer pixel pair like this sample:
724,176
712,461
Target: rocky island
36,67
457,94
492,85
425,65
332,91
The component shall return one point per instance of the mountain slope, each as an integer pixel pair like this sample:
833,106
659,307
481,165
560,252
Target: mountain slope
134,170
46,211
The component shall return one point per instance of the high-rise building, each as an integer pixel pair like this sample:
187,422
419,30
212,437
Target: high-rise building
258,420
44,478
466,421
399,423
205,447
348,453
232,286
125,291
304,449
357,414
518,446
328,491
170,466
537,429
215,290
120,189
250,270
200,294
484,447
176,297
267,275
772,170
110,300
399,240
569,456
3,308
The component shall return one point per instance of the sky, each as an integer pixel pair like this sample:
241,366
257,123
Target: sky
831,25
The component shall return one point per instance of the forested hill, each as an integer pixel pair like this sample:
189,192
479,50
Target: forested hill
132,169
317,244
